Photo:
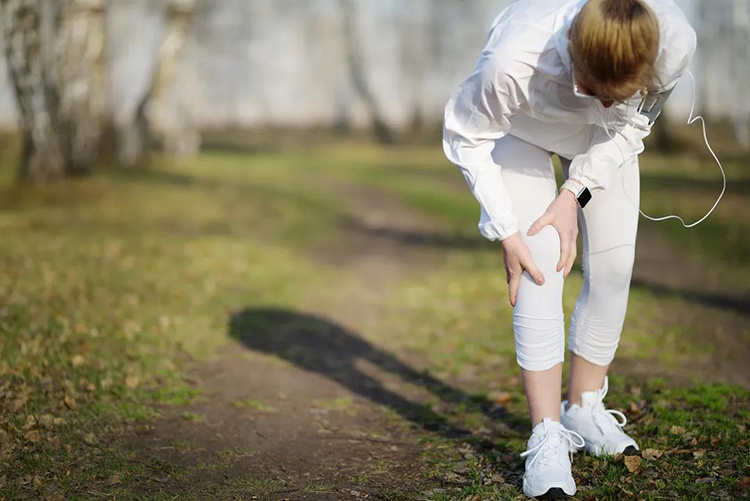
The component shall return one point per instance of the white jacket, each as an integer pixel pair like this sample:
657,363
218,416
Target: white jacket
522,84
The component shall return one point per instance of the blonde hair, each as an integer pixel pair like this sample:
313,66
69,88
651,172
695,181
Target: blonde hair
614,44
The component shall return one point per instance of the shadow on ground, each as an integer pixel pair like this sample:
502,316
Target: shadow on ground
318,345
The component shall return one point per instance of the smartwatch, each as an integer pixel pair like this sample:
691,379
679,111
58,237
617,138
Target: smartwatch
582,193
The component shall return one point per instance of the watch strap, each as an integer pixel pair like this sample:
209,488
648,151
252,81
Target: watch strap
581,192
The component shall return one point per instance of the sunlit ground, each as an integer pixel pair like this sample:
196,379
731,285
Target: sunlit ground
117,288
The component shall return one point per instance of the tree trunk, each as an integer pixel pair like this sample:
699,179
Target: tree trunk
55,54
357,72
81,54
27,54
741,69
135,139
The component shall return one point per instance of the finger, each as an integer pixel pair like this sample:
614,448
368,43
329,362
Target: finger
571,259
534,271
564,253
515,282
540,223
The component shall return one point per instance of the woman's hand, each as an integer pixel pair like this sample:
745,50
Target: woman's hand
517,257
562,214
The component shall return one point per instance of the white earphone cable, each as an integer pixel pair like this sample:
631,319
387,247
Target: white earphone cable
691,119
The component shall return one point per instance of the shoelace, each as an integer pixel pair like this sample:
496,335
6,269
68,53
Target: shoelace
605,418
556,433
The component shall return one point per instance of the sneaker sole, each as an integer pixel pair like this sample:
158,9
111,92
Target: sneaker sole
599,451
554,493
630,451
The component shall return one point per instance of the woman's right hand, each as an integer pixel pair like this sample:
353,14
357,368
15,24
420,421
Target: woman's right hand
517,257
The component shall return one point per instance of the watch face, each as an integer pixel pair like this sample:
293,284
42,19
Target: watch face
584,197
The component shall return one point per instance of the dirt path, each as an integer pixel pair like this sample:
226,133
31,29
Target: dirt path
301,414
304,413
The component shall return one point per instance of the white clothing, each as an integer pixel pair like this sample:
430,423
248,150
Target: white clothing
608,227
522,85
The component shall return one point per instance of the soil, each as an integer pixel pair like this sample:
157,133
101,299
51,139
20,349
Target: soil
300,414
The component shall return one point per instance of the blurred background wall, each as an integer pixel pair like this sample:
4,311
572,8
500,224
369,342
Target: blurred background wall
347,63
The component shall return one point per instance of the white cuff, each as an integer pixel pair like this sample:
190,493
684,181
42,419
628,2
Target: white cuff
498,229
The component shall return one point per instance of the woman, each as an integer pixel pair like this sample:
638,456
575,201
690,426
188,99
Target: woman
565,78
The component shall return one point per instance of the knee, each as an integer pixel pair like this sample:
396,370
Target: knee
545,249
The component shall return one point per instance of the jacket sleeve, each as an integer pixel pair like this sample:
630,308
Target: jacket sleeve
678,44
476,115
595,168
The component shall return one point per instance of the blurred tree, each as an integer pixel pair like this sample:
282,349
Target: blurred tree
741,69
82,72
414,58
135,138
357,71
55,56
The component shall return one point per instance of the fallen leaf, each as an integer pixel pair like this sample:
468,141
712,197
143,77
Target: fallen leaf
45,420
114,480
132,382
742,443
651,454
679,451
106,383
699,454
90,439
676,430
32,436
78,360
744,483
497,478
632,463
634,409
69,402
502,397
19,402
30,422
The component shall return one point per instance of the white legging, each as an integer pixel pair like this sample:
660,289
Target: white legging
608,226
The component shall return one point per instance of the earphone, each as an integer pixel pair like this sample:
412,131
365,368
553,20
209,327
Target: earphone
691,119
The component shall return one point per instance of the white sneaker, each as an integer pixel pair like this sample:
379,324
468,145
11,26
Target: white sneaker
547,462
598,426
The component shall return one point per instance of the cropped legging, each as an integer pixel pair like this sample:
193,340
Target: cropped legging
607,225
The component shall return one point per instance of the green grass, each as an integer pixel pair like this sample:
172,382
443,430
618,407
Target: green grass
704,459
112,286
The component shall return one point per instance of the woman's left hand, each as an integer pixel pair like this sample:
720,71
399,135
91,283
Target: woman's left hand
562,213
